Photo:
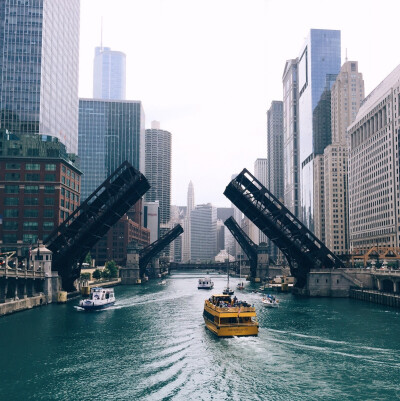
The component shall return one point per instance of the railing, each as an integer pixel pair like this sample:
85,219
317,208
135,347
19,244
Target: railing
21,273
240,309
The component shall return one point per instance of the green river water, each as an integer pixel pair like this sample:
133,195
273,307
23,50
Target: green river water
153,345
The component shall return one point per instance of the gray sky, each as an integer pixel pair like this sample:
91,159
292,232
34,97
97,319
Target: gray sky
209,69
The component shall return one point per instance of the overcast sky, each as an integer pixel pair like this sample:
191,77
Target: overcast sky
209,69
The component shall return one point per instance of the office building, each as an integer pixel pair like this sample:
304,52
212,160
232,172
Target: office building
261,173
347,93
151,219
318,65
39,68
109,74
158,169
291,185
203,223
275,149
39,188
110,132
374,168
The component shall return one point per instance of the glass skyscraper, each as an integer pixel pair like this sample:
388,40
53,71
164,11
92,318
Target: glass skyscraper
318,65
110,132
109,74
39,67
158,169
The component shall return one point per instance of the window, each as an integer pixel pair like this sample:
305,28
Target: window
31,213
32,177
11,201
9,238
31,189
62,203
10,212
12,177
64,169
32,166
48,213
48,189
30,238
48,225
50,167
30,225
63,179
10,225
11,189
13,166
31,201
50,177
49,201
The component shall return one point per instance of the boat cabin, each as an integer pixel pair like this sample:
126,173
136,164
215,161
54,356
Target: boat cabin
101,293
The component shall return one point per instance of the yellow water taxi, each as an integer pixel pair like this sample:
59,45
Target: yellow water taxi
226,316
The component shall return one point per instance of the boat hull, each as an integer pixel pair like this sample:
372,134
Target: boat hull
231,330
93,307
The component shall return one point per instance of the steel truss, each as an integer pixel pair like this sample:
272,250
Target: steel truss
151,251
73,239
303,250
248,246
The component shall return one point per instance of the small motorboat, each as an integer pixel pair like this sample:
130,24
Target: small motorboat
228,291
270,301
240,286
205,283
99,298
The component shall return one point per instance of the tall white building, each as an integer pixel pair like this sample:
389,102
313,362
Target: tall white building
347,93
109,74
158,169
186,254
374,194
203,223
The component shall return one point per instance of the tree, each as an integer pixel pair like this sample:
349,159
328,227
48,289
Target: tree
96,274
111,270
88,259
85,276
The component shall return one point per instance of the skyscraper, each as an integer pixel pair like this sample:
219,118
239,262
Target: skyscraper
373,168
158,169
110,132
186,243
203,224
261,173
346,96
109,74
275,148
318,65
291,187
39,67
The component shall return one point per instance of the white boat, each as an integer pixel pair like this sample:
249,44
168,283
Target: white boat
99,298
270,301
240,286
205,283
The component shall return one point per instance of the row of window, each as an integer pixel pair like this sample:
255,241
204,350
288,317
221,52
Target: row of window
28,177
30,166
28,189
28,201
14,213
29,225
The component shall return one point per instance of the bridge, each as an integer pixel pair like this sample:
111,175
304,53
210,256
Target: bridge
72,240
248,246
151,251
302,249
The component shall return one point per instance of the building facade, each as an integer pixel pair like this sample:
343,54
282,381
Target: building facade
110,132
158,169
291,184
318,65
203,224
39,68
275,149
39,188
373,168
261,173
347,93
109,74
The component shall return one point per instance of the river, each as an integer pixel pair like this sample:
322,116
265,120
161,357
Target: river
153,345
